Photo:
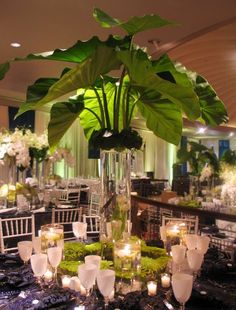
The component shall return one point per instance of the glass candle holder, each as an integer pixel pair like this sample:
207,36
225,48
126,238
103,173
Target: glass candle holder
152,288
52,235
127,257
165,280
65,281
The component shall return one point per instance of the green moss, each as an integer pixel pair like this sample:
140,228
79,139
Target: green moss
152,251
93,248
151,267
154,260
71,267
74,251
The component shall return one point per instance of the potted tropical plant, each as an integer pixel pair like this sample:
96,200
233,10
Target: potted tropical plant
203,163
160,90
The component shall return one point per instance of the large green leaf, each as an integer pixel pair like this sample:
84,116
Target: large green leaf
81,50
78,53
104,19
3,69
82,76
142,74
63,115
164,118
164,64
213,111
40,88
132,26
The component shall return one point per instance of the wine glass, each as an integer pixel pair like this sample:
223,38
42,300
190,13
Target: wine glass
80,230
182,285
105,282
39,264
25,250
41,197
36,244
93,259
178,254
195,259
87,275
203,243
191,241
54,257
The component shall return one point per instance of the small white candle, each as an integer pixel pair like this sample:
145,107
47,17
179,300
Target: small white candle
65,281
48,275
75,284
165,280
152,288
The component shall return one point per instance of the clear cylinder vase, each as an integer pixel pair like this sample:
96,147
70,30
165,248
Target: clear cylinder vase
116,189
11,195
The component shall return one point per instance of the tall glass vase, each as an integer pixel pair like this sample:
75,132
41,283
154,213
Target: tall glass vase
116,188
11,195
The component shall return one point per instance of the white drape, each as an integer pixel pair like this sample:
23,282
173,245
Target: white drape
75,141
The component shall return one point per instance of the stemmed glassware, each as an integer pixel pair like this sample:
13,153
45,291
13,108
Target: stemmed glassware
54,257
195,259
41,197
36,244
25,249
178,254
203,243
105,282
182,285
87,274
39,264
80,230
191,241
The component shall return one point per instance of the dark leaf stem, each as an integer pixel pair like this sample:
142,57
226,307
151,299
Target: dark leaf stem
105,105
117,106
127,101
101,108
114,108
132,110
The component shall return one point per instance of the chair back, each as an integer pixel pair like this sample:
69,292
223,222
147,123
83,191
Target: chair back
93,225
68,196
191,223
66,217
94,205
13,230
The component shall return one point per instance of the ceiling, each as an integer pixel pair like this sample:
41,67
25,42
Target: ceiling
204,41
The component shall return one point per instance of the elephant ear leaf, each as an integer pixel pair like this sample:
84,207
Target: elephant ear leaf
132,26
63,115
3,69
213,111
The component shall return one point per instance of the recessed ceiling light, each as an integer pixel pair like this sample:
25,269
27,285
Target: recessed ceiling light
15,44
201,130
231,134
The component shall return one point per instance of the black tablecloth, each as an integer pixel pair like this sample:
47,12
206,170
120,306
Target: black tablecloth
215,289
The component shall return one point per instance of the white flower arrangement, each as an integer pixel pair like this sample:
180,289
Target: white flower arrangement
62,153
16,146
